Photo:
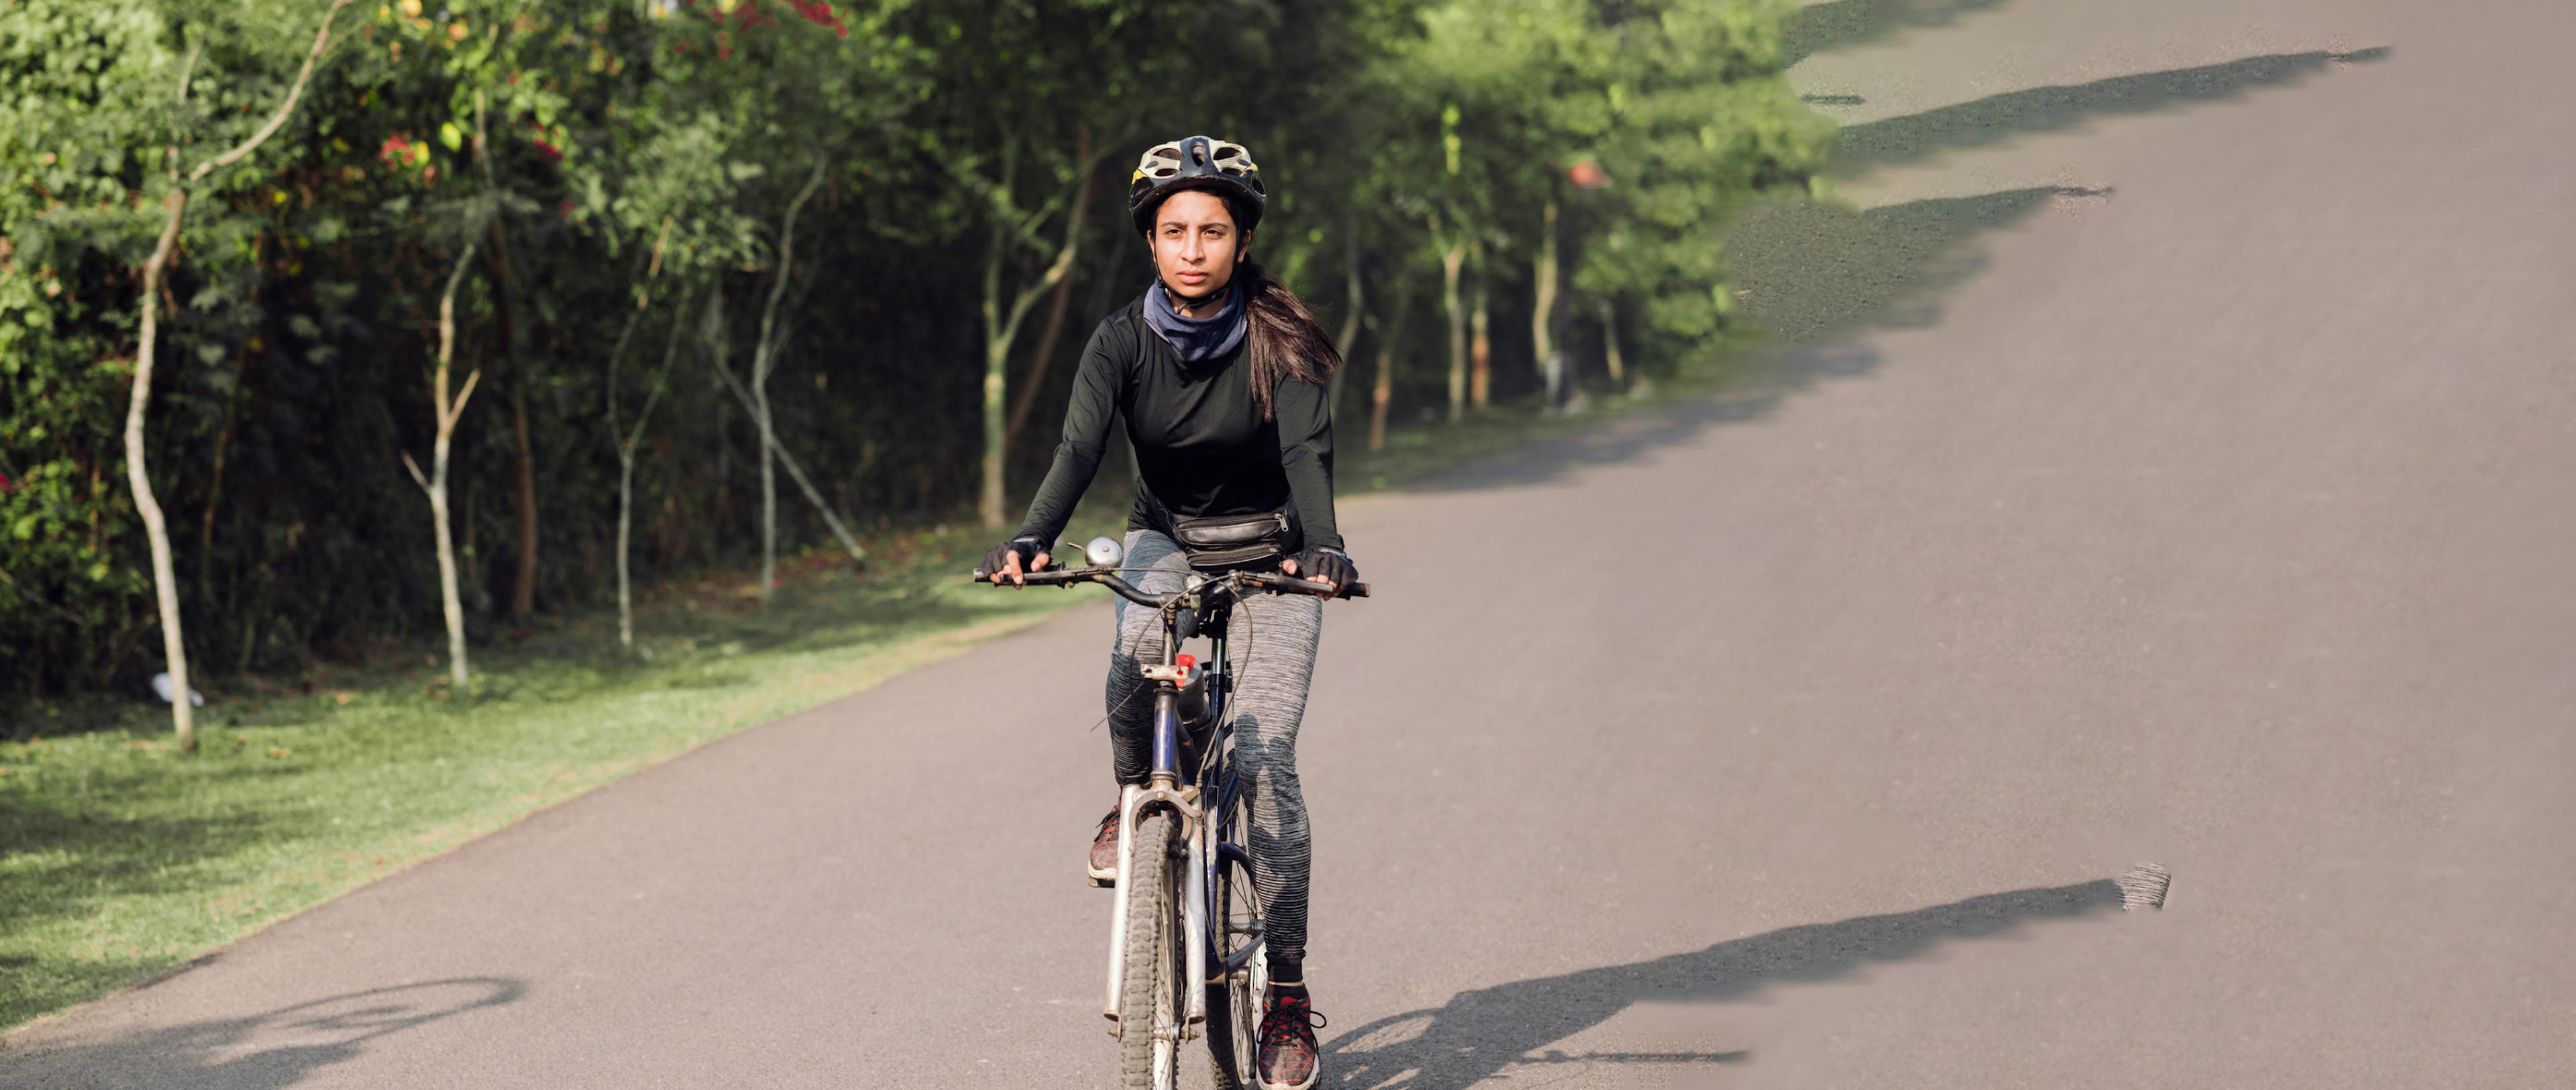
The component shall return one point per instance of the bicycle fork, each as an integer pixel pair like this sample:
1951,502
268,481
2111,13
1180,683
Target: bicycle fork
1164,788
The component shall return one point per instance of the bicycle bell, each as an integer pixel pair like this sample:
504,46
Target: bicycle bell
1104,552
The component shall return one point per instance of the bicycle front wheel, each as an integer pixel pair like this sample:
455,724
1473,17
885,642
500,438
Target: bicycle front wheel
1151,1005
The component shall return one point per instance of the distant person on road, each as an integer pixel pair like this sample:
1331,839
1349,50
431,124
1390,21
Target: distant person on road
1220,372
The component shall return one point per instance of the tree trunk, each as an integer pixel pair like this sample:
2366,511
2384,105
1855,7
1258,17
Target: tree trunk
625,519
712,331
451,600
764,361
625,443
1610,344
1543,316
768,489
1382,394
1349,335
523,502
156,530
1452,262
796,473
505,340
999,331
1032,376
215,482
990,493
1480,342
165,580
1390,342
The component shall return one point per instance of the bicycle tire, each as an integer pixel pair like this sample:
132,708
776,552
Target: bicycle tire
1233,1003
1149,991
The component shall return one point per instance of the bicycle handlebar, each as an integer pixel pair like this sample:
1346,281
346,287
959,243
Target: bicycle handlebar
1108,577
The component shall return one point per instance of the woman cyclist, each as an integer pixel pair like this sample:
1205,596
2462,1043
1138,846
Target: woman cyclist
1220,373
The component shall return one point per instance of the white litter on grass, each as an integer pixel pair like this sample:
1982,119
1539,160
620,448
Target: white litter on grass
161,687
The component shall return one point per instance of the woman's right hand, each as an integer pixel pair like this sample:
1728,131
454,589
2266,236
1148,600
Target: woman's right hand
1012,560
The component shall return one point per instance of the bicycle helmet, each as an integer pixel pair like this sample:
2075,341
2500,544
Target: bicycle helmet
1195,162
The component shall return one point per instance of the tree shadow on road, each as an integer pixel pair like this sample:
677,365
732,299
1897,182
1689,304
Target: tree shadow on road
1805,272
1808,271
257,1052
1478,1034
1842,24
2000,118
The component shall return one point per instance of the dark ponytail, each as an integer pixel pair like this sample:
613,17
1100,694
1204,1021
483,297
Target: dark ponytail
1284,342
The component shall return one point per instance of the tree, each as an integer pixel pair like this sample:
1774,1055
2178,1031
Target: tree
1087,155
1699,125
765,353
841,108
156,528
1527,72
434,483
624,440
1019,168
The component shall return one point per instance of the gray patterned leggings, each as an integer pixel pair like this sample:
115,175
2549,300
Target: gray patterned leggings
1270,649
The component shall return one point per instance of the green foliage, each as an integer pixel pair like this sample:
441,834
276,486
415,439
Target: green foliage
638,152
1692,140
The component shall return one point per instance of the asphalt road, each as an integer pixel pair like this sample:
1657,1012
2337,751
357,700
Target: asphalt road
2177,467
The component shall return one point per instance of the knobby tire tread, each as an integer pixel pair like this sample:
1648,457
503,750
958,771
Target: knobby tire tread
1147,957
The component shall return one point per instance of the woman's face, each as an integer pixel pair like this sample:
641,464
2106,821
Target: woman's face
1195,244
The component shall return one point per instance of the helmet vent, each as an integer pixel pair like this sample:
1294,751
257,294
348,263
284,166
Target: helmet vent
1195,162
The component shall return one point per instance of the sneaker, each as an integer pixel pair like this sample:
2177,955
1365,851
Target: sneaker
1288,1055
1104,851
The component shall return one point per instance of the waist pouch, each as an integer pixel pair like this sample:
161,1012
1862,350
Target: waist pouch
1225,542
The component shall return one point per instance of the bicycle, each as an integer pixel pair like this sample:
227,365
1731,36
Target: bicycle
1186,910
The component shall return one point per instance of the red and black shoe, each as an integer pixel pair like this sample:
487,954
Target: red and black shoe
1104,851
1289,1060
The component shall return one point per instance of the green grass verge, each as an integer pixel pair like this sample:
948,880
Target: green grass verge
121,858
124,858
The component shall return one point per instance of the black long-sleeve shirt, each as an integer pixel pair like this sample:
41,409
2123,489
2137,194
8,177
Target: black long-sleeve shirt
1202,447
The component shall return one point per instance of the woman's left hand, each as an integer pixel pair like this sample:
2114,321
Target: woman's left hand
1331,567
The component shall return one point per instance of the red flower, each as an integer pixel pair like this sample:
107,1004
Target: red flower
552,153
5,486
747,13
819,13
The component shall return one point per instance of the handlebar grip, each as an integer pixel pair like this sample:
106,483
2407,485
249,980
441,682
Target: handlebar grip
1051,576
1289,584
